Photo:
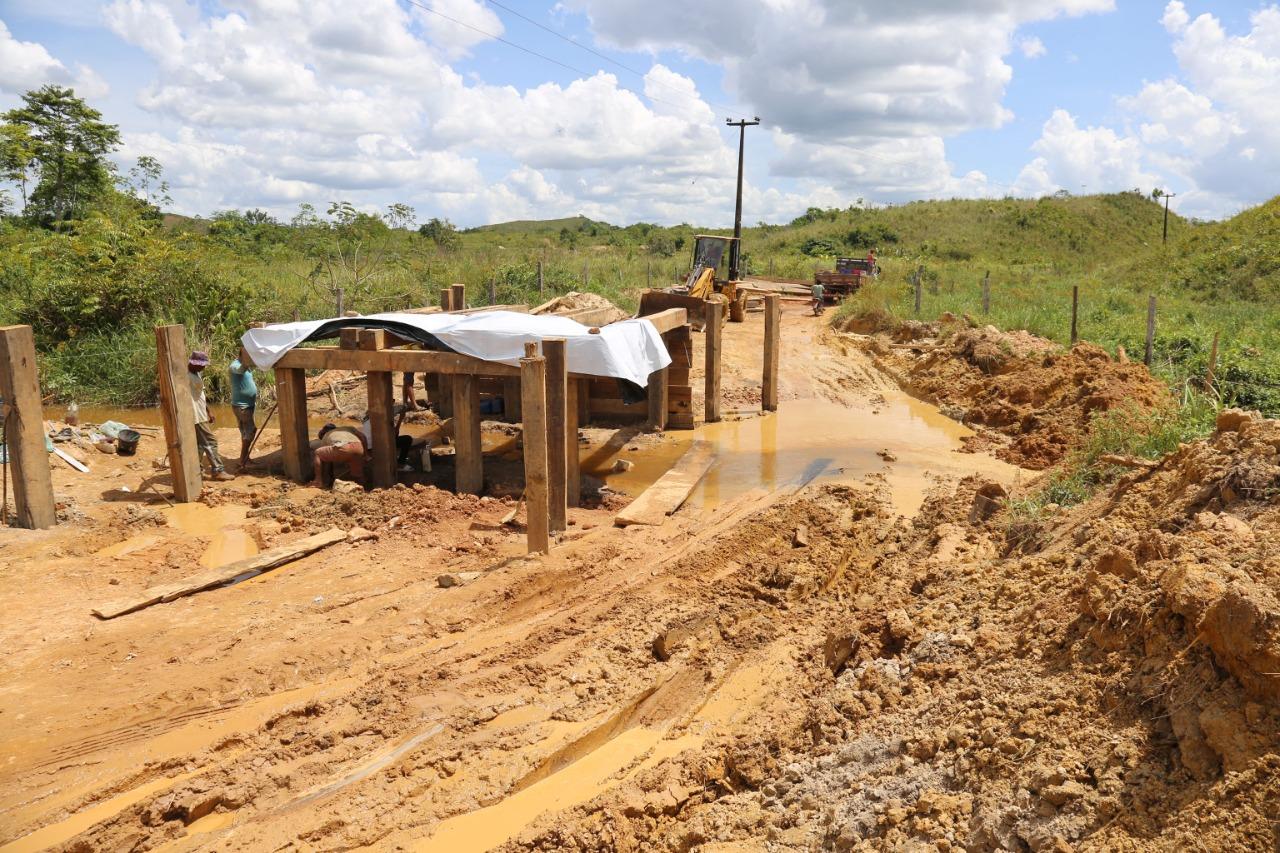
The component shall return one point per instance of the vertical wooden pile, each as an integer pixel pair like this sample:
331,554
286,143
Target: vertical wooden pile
27,459
772,343
679,388
178,411
533,389
713,329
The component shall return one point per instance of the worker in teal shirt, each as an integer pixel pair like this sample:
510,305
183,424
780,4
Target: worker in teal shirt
244,399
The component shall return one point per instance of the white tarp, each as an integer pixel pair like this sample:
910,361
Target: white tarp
630,349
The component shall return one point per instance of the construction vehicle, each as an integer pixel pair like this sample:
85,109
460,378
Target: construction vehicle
849,275
708,281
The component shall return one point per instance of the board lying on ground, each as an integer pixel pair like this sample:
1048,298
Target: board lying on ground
669,492
264,562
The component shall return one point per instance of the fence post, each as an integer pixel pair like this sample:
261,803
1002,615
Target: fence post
533,393
493,290
771,266
711,403
586,275
648,274
916,280
553,350
1213,363
1151,329
1075,308
540,282
342,303
986,293
772,338
178,412
24,437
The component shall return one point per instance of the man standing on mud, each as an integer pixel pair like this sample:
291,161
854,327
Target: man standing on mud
206,441
244,399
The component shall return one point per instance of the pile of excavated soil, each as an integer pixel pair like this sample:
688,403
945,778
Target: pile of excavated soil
576,301
1116,689
1034,400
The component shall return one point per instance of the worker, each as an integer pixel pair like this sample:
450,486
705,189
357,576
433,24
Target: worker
206,440
244,399
819,294
406,393
871,263
339,445
404,443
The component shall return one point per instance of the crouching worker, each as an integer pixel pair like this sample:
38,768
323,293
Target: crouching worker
339,445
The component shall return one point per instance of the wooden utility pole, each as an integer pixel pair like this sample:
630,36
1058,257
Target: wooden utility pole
1164,237
1213,363
178,411
711,403
553,350
382,427
772,342
1151,329
1075,308
26,457
735,248
533,391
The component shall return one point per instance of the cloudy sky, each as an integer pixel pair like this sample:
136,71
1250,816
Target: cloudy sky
484,111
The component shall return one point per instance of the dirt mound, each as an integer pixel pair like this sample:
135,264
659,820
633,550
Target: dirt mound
401,507
1039,398
1114,690
576,301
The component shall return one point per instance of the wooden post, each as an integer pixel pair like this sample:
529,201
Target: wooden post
382,427
711,403
446,299
493,290
771,266
553,350
586,275
178,412
738,307
986,293
342,303
1075,309
468,452
511,399
648,274
916,283
458,301
295,442
1213,363
772,342
27,459
657,398
1151,329
533,389
540,281
572,462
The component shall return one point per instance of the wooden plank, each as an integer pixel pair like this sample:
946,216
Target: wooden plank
349,337
70,460
295,443
657,399
264,562
678,375
772,343
613,407
533,389
592,316
28,461
553,350
178,412
393,360
713,329
468,451
458,299
668,320
670,491
572,460
382,427
680,420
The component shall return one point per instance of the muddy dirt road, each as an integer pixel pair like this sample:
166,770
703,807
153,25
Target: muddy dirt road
734,676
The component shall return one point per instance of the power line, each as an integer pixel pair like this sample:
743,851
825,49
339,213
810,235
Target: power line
541,56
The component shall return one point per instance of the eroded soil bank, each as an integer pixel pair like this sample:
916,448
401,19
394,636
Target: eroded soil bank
779,666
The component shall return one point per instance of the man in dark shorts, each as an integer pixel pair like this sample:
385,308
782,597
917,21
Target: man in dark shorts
244,400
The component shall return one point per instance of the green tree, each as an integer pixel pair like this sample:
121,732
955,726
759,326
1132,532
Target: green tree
69,144
441,232
146,182
16,156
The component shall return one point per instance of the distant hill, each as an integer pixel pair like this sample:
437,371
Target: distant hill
542,226
1237,258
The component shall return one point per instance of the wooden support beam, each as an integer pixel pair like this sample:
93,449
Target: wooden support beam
27,459
533,389
349,337
396,360
572,461
178,411
553,350
772,344
468,453
295,442
665,321
713,328
446,299
511,399
382,427
657,393
459,299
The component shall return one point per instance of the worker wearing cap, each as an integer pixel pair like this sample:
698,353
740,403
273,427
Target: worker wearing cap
206,441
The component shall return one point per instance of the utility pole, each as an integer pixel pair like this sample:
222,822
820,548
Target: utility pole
1167,196
736,249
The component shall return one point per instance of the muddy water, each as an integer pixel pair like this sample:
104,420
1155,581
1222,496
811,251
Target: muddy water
221,525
